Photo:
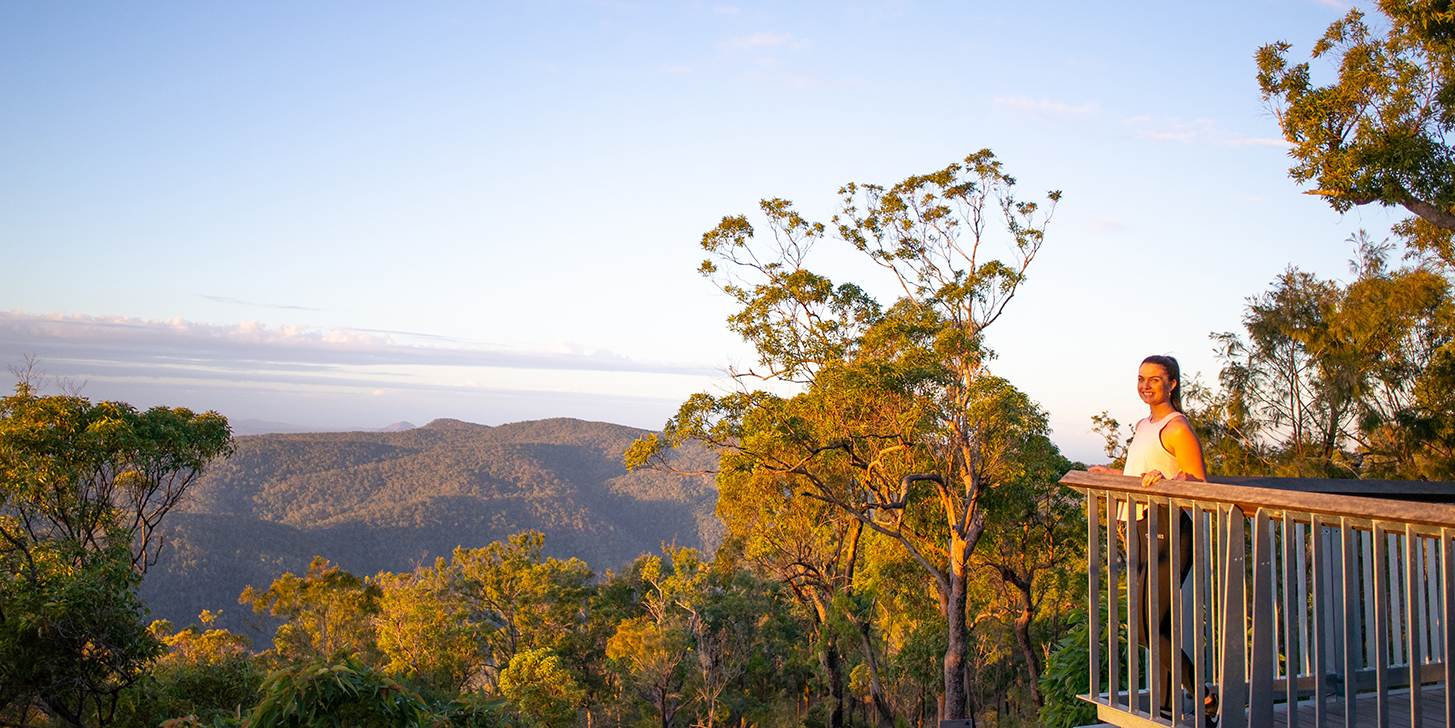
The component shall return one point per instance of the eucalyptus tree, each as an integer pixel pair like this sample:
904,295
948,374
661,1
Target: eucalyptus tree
883,415
1031,543
1381,131
526,600
84,488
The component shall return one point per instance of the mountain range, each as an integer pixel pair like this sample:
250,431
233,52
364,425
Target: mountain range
264,427
387,501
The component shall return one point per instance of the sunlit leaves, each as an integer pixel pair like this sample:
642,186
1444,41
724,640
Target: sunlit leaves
83,489
426,631
543,690
1380,132
330,612
526,600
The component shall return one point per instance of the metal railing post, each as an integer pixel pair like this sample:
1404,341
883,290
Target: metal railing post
1093,588
1233,681
1261,663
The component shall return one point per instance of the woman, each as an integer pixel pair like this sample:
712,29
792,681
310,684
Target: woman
1164,447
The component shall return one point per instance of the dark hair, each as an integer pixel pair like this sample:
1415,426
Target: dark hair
1174,374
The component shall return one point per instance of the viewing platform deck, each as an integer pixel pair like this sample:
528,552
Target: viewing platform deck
1313,603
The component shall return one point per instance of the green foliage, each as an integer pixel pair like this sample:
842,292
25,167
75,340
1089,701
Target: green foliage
319,693
474,709
544,691
207,673
72,636
83,489
1116,443
426,630
1068,674
1337,380
530,601
330,612
650,656
1379,133
892,420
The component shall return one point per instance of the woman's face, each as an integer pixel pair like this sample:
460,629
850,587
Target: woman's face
1153,385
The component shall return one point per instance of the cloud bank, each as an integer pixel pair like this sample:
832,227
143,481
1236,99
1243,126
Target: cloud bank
251,345
343,378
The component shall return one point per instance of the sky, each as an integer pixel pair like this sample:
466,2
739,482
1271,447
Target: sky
342,215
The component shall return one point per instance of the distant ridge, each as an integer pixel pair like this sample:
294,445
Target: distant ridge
446,423
261,427
267,427
374,501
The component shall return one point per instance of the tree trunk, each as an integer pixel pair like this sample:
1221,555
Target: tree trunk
919,718
1022,628
957,650
876,687
1431,213
667,705
833,669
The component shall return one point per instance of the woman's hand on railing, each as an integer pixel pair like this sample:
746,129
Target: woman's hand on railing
1152,476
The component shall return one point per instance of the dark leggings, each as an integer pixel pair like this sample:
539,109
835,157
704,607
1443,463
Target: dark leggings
1163,608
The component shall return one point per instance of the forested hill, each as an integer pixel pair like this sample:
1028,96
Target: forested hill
374,501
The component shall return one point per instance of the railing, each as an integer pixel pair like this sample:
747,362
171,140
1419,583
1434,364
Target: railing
1299,608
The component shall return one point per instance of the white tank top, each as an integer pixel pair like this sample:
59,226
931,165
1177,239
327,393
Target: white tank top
1147,453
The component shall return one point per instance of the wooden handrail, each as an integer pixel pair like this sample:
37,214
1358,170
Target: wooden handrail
1418,490
1250,498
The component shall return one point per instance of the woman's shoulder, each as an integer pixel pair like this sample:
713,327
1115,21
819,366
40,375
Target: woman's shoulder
1175,422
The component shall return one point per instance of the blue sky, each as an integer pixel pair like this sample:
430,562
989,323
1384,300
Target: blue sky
348,214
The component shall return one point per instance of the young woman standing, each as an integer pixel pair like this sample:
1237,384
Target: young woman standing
1164,447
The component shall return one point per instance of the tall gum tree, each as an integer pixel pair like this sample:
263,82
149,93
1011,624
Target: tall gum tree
888,422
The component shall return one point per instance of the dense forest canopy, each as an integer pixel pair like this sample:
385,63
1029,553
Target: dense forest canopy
377,501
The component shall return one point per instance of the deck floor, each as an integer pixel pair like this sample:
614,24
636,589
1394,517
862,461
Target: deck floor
1366,707
1432,707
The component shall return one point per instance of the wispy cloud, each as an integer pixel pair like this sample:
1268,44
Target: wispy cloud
250,345
1024,103
792,80
767,40
1106,226
240,302
1199,131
